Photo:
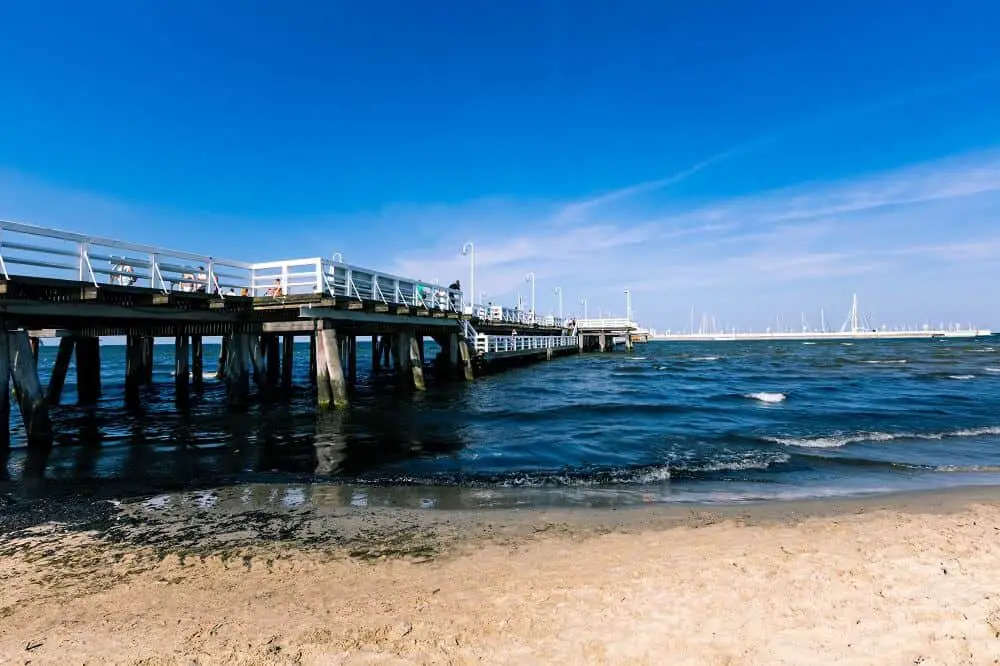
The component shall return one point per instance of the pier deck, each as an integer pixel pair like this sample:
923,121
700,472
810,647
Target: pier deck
79,288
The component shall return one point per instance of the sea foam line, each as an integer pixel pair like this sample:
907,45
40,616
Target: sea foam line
838,440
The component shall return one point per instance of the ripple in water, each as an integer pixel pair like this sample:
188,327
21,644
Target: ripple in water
669,424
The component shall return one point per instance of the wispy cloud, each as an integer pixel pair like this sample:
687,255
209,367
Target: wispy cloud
812,233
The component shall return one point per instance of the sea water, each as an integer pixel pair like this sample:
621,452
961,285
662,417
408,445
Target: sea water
671,422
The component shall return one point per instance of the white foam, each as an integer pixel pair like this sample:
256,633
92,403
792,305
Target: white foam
808,343
755,462
992,369
766,397
838,439
983,350
705,358
961,376
636,358
847,344
968,468
655,475
895,361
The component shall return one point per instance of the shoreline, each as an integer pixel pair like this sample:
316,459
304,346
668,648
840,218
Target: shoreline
904,578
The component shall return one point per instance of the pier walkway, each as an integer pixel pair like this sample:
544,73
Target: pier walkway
77,288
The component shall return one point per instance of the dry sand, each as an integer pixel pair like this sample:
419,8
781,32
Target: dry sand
912,580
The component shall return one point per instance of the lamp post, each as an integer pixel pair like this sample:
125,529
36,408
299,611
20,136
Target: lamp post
530,277
628,305
558,291
470,249
338,257
584,303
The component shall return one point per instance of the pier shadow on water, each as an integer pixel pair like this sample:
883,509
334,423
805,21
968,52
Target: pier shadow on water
111,451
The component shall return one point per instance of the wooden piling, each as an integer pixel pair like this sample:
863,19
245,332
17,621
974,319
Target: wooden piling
134,369
313,345
272,359
28,389
323,394
453,352
287,359
88,369
238,370
328,355
416,363
59,370
352,358
147,358
182,372
4,397
376,355
197,362
465,360
220,371
35,344
257,360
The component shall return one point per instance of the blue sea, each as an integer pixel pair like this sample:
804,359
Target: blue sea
670,422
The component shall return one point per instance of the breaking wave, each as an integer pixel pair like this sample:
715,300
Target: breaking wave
766,397
837,440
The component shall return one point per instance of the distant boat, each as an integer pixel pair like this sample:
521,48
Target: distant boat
851,330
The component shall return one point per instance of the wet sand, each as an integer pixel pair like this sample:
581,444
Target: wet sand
905,579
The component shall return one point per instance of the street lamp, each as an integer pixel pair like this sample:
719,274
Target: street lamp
338,257
470,249
530,277
558,290
584,303
628,305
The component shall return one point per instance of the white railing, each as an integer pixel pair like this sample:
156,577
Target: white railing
605,324
31,251
322,276
496,344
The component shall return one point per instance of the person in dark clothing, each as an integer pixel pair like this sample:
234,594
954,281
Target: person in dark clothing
455,286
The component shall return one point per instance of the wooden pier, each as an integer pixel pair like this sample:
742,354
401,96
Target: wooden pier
77,289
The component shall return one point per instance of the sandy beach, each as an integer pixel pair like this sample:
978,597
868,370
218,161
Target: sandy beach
909,579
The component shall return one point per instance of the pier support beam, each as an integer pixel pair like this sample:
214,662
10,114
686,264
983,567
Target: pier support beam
197,362
237,370
331,389
88,369
465,360
147,359
182,372
59,370
416,363
4,398
376,356
257,360
287,359
272,359
220,370
134,369
24,371
453,358
313,368
352,358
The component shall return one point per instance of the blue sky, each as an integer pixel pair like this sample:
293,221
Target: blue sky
745,159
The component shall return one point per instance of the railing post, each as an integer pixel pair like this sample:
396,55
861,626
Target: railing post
211,278
152,273
284,278
83,253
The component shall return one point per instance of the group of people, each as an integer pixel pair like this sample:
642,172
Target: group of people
194,283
